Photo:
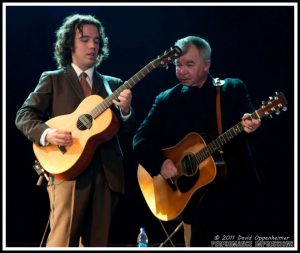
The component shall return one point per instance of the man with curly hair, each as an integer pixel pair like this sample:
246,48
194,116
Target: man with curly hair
81,208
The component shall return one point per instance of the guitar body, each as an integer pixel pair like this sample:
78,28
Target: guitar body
69,164
166,203
91,124
198,164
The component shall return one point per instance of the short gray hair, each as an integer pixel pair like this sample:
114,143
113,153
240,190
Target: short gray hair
202,45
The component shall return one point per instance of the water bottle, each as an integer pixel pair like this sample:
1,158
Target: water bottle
142,239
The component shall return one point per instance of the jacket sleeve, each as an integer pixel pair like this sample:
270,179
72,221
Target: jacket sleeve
31,116
127,125
146,143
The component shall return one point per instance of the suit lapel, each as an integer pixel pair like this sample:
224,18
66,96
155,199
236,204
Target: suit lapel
73,81
98,86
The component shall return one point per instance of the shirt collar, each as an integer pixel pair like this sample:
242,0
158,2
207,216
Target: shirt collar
89,72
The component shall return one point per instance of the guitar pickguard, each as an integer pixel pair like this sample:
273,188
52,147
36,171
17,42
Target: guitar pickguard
185,183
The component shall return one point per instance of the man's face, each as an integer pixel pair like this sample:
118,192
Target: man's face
191,70
86,47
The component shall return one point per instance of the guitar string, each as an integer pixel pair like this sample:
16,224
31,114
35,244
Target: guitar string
172,54
85,121
218,143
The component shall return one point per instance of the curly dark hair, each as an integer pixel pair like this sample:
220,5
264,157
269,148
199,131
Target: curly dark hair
65,36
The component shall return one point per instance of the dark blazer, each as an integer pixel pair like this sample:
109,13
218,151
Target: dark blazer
58,93
181,110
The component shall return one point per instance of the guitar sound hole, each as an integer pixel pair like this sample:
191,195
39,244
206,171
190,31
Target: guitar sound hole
189,165
84,122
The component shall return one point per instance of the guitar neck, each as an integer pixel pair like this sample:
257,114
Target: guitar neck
217,144
130,83
108,101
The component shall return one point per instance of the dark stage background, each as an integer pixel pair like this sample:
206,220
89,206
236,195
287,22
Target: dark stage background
253,43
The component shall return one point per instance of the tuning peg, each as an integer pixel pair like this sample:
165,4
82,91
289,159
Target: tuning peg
277,112
284,108
271,98
271,116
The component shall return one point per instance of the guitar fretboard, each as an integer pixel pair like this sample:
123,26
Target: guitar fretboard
216,144
107,102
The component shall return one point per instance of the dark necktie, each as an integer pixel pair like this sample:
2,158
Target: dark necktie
84,84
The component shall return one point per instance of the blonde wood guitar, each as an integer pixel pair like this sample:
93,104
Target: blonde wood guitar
91,124
198,166
66,163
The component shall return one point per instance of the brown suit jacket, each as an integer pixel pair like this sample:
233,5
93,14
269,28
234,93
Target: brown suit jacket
58,93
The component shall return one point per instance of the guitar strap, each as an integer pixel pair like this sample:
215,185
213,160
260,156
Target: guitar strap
218,111
218,83
106,85
221,170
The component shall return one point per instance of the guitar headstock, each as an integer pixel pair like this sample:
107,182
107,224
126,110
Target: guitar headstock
168,56
273,105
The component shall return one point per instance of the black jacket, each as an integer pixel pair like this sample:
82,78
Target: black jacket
181,110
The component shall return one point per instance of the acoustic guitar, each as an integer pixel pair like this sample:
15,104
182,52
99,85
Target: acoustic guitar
198,165
91,124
